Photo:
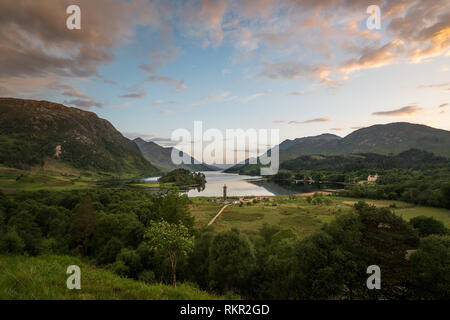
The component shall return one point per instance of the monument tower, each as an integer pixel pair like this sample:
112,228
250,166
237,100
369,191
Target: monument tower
224,192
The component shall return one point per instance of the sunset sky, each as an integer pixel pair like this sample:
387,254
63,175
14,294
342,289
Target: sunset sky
305,67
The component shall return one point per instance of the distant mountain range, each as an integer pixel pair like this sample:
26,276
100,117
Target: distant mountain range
31,131
392,138
162,157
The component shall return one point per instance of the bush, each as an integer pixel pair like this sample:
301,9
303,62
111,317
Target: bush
428,226
147,276
431,263
12,243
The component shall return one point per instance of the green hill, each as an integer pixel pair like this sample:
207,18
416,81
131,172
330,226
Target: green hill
380,139
410,159
33,131
44,278
162,157
392,138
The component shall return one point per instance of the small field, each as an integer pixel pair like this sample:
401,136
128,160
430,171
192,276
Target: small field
15,179
296,213
53,176
44,278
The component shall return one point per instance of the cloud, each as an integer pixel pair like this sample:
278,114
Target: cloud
112,82
37,45
85,104
254,96
167,111
297,93
74,93
372,58
217,97
161,102
405,111
153,76
278,121
435,85
139,95
5,91
178,84
310,121
337,129
121,106
226,71
36,42
320,41
443,105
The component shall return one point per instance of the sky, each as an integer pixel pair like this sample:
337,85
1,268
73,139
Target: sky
303,67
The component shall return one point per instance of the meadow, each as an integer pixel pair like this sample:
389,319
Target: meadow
296,213
44,278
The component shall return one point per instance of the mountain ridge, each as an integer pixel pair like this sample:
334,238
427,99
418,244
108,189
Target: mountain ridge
32,130
384,139
162,157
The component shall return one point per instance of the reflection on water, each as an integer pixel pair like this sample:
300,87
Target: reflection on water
242,185
238,185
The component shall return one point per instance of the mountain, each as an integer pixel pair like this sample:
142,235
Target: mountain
290,149
162,157
413,158
392,138
32,131
397,137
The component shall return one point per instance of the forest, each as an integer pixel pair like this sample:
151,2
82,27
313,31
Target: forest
413,176
151,238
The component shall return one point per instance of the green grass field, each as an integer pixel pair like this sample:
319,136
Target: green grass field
44,278
54,175
296,214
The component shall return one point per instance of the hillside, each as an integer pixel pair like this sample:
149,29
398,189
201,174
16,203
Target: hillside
162,157
392,138
410,159
44,278
395,138
31,131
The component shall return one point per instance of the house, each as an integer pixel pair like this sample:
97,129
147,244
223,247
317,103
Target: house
371,178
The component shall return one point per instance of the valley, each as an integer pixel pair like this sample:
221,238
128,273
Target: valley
73,188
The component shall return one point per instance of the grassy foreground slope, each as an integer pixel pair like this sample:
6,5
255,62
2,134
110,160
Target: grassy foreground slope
44,278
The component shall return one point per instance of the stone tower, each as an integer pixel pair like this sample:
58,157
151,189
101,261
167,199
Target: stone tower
224,192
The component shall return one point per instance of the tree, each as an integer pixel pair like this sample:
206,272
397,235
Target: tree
388,237
231,260
12,243
28,230
198,259
317,268
173,207
109,252
172,239
428,226
431,263
132,261
83,224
